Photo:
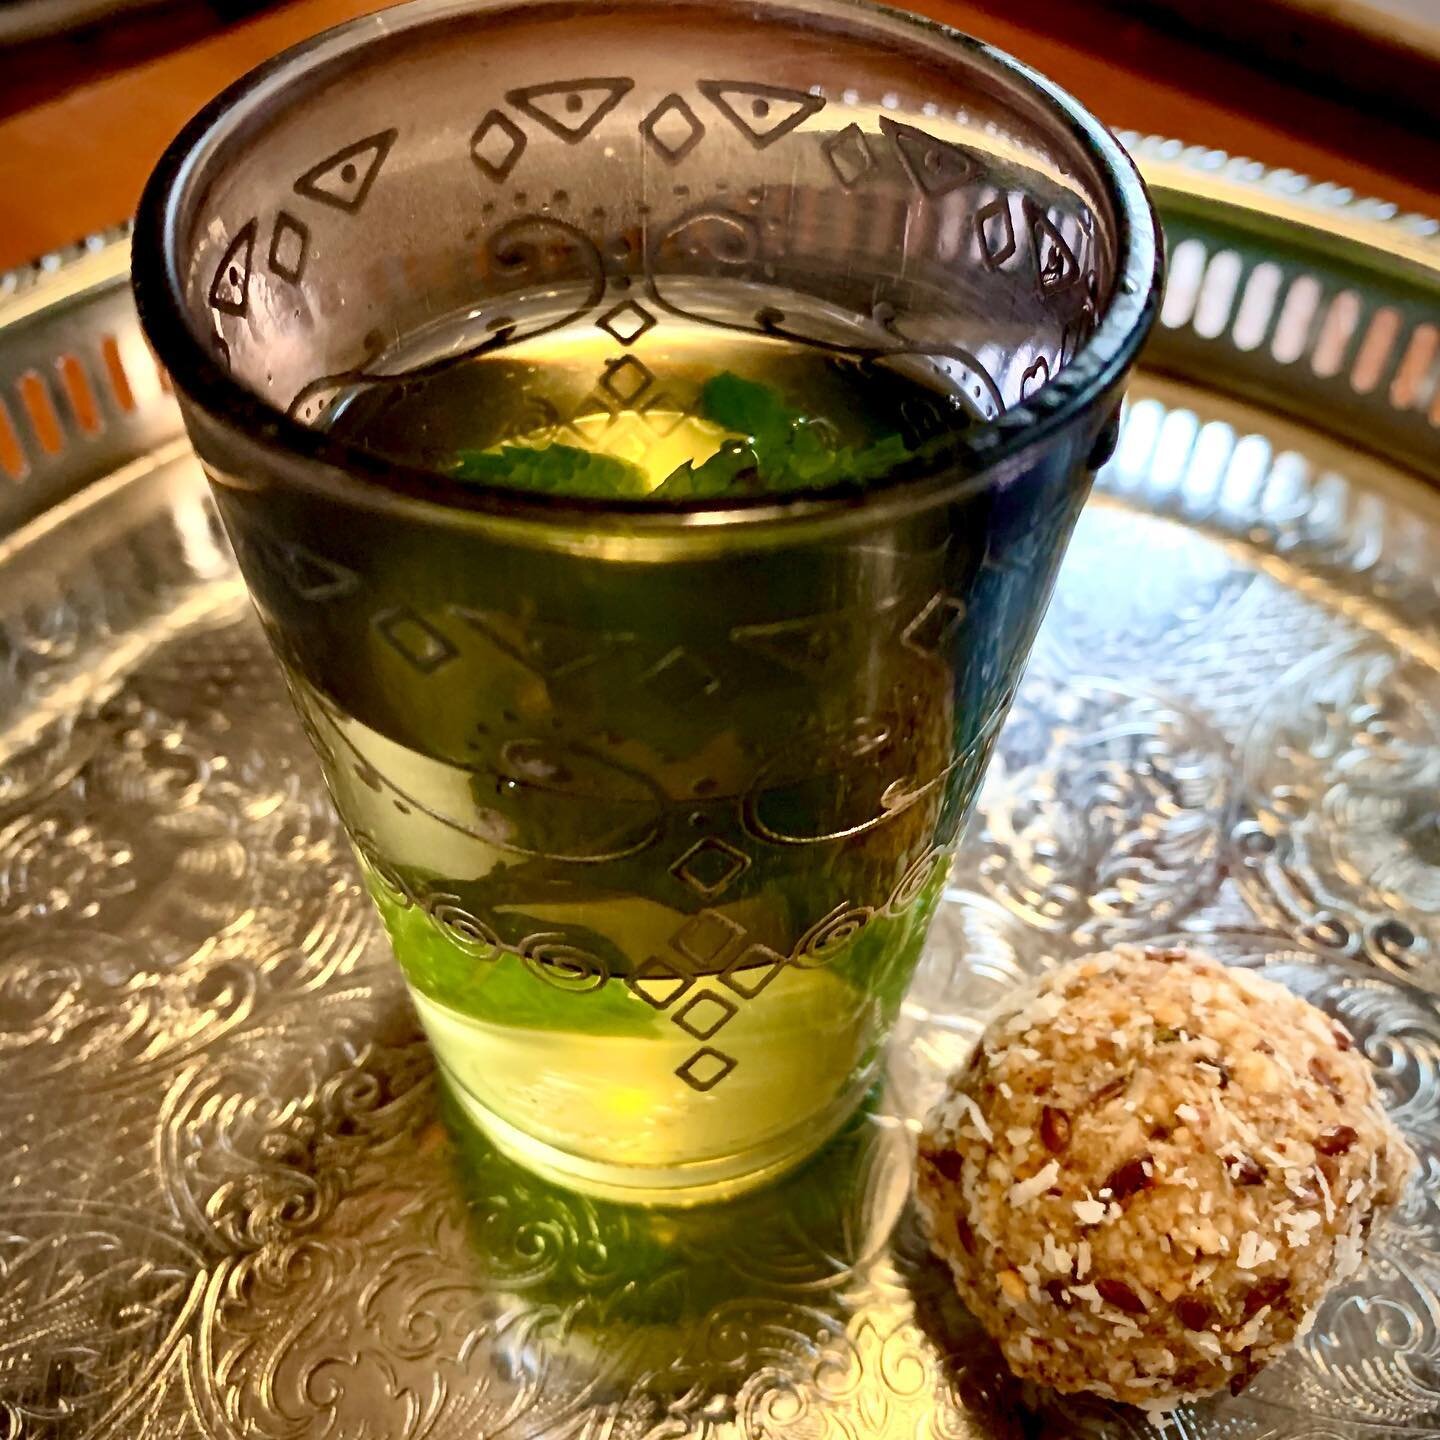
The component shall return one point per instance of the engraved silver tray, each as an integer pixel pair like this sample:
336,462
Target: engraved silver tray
230,1206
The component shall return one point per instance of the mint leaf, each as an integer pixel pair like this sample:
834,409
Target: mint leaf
553,469
503,990
745,407
731,470
784,450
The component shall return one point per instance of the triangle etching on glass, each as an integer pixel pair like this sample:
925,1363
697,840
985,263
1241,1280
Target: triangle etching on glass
230,289
808,645
763,114
344,180
1056,267
935,166
571,109
313,577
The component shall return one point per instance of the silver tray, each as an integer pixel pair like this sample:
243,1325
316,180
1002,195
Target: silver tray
230,1207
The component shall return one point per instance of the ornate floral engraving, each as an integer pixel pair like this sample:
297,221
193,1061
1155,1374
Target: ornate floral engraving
1337,830
1104,810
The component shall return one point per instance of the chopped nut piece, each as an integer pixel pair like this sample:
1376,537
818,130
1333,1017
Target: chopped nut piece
949,1164
1266,1292
1336,1140
1109,1090
1321,1072
1245,1169
1058,1293
1121,1296
1130,1178
1054,1129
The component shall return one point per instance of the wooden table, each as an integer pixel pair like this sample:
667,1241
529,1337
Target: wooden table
76,164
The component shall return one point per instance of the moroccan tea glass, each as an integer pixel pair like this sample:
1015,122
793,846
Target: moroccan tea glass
655,798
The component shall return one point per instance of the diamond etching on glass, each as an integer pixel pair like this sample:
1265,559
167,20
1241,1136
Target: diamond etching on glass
706,1068
415,640
995,231
626,379
626,322
704,1014
710,867
934,627
847,153
752,970
1056,268
497,145
673,129
659,982
663,414
679,678
703,938
289,247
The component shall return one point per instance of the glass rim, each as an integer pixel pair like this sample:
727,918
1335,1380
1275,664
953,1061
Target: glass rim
981,454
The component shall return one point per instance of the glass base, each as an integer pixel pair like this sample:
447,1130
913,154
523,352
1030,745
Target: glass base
697,1182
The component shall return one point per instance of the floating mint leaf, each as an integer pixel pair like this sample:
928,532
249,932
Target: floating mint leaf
789,452
745,407
554,469
733,469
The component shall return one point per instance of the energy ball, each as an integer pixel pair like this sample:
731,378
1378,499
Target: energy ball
1150,1173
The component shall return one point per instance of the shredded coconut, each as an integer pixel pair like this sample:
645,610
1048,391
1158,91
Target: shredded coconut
977,1119
1024,1191
1055,1257
1349,1251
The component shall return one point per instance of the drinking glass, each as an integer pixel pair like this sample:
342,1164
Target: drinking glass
655,797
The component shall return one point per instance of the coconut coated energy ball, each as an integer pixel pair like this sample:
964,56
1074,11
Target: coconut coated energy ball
1151,1172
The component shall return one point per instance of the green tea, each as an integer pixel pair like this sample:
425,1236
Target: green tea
684,411
657,884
